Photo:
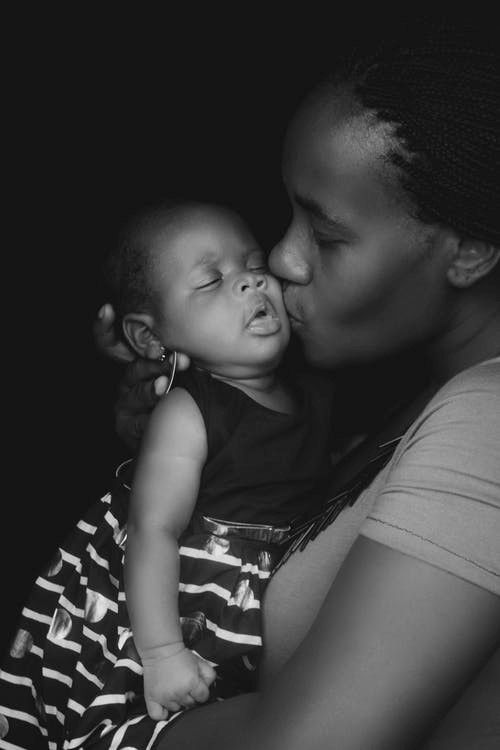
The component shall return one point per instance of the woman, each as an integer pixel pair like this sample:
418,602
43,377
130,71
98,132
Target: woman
378,625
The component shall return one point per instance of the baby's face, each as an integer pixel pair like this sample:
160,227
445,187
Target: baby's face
218,302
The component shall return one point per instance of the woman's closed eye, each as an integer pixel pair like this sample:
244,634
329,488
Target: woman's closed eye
325,241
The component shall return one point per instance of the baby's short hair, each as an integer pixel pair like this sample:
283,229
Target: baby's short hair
130,265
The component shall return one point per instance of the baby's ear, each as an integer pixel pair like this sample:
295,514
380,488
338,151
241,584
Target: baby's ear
472,260
138,330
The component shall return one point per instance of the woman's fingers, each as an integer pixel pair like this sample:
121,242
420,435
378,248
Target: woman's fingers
160,385
142,370
144,380
104,327
106,339
138,398
139,392
130,428
113,346
183,361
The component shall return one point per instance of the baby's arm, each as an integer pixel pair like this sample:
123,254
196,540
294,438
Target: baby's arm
164,493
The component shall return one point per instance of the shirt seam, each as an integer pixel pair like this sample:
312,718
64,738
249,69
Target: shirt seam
435,544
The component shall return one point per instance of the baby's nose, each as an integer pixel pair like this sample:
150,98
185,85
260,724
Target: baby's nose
248,281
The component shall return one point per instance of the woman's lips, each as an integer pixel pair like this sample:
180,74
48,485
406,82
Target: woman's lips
292,312
294,320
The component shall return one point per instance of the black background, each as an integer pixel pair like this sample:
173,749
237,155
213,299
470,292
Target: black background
107,113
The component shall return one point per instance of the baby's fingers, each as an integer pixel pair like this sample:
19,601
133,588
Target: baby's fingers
156,711
206,672
200,692
188,701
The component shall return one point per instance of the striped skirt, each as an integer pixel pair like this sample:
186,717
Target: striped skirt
73,678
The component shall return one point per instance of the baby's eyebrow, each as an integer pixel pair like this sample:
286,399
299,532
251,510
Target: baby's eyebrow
205,260
211,258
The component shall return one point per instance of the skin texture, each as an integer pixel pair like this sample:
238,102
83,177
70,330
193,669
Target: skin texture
375,670
209,275
395,640
356,259
173,676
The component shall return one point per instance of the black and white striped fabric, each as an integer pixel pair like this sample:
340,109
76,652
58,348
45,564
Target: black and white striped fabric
73,677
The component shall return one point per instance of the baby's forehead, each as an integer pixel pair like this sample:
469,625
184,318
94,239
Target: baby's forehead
210,226
208,218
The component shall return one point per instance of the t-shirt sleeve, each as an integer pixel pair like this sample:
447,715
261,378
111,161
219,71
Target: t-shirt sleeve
440,501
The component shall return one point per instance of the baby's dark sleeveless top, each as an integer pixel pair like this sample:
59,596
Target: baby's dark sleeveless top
263,466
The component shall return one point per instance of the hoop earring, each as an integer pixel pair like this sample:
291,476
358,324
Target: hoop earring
173,366
172,371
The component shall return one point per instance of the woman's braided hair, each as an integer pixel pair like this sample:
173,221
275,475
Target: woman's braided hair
441,93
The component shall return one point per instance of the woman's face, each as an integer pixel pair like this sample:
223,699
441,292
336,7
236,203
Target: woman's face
363,278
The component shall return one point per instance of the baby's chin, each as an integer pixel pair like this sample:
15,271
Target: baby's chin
240,371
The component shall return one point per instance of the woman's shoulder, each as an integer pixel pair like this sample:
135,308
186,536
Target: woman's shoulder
440,496
471,396
483,377
460,426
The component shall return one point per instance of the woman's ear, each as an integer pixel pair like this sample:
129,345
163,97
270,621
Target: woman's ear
472,260
138,330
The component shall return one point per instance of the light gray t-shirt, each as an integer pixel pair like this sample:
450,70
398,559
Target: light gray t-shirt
439,497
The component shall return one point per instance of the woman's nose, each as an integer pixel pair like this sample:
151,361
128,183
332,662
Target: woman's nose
288,261
248,281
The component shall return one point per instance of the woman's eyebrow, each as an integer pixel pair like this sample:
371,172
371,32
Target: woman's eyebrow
316,210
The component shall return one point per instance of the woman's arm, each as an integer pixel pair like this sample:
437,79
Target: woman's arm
474,721
397,638
395,642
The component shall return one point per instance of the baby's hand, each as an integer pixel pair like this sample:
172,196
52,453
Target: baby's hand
175,681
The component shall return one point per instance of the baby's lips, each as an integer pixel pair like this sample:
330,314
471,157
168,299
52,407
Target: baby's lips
263,305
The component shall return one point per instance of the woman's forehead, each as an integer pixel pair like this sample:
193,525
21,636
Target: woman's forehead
329,126
336,151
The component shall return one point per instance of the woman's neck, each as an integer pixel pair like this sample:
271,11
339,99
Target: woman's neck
473,337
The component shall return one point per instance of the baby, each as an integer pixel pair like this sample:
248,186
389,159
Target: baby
171,573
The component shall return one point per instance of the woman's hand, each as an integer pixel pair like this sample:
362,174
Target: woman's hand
143,383
106,339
